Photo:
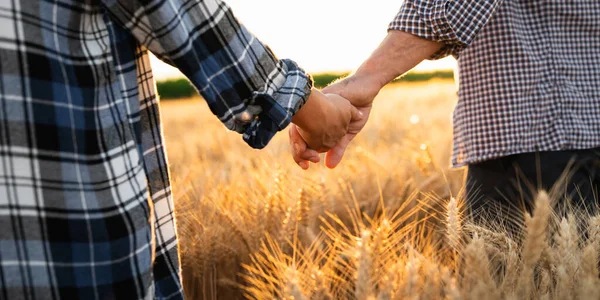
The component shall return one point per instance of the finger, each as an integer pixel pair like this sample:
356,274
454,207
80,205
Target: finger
301,147
300,150
297,146
335,155
304,165
310,155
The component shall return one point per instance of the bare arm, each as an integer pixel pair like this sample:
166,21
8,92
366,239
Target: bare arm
425,29
397,54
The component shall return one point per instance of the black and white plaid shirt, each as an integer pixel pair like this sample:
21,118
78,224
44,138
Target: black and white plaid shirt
81,149
529,72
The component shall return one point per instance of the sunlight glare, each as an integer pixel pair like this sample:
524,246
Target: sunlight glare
321,35
414,119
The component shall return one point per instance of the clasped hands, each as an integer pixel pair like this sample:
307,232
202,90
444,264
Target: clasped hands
329,121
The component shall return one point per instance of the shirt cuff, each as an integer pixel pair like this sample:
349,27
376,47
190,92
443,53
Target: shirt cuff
428,20
271,109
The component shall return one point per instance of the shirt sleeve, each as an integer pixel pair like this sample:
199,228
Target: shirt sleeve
455,23
245,85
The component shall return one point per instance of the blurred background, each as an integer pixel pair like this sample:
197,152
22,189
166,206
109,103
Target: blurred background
232,201
387,223
332,36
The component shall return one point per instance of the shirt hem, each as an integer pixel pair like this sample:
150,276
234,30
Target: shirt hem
495,155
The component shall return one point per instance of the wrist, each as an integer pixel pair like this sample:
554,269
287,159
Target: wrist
370,82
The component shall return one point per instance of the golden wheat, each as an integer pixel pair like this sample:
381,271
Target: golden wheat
387,224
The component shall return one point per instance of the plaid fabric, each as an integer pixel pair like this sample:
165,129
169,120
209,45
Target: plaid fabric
84,184
529,75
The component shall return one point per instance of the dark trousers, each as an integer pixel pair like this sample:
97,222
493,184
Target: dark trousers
501,189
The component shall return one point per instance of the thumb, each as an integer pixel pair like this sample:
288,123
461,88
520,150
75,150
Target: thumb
334,155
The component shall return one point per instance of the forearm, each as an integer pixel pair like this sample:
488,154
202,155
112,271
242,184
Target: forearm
397,54
245,85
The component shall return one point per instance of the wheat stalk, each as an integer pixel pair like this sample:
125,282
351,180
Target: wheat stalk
477,274
235,211
390,279
534,244
453,223
292,290
364,288
322,291
594,232
410,283
544,287
563,287
450,287
566,256
589,284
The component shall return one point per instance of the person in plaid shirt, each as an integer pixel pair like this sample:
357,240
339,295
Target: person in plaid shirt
86,210
529,93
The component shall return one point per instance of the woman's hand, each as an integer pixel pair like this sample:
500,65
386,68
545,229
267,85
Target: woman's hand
359,92
303,155
320,125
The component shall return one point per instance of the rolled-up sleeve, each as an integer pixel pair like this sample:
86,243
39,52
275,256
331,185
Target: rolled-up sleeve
455,23
245,85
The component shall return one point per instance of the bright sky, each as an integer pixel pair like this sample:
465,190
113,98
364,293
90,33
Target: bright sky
321,35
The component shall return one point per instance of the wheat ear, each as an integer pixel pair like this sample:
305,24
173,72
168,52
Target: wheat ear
535,242
364,288
453,223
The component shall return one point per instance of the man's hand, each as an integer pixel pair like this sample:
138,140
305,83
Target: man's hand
327,126
353,89
361,93
398,53
320,125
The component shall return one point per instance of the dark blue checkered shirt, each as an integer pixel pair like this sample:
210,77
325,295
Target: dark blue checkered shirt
85,199
529,72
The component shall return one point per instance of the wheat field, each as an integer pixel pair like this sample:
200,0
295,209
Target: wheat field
387,224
